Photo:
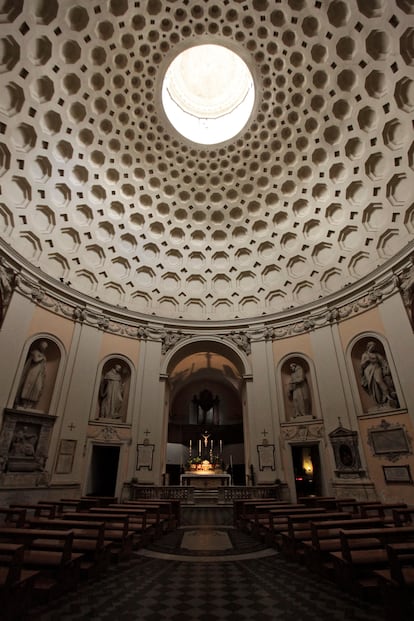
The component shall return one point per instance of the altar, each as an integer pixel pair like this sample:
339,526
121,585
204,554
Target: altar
203,480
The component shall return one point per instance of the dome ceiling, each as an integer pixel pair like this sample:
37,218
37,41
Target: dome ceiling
98,190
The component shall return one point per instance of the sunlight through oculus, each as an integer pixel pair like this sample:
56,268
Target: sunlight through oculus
208,94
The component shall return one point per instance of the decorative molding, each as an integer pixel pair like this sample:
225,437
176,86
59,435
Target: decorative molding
58,298
241,339
312,431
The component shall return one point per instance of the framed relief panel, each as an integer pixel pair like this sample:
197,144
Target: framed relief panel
64,463
397,474
266,456
145,455
386,440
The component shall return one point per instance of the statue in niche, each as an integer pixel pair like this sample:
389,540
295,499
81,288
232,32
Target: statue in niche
33,376
111,393
376,377
298,391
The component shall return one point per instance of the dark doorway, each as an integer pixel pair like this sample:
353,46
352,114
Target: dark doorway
173,471
103,471
307,470
239,474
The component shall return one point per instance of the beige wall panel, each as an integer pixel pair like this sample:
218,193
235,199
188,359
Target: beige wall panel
366,322
44,321
292,345
113,344
388,492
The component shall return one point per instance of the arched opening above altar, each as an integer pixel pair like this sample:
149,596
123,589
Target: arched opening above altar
205,425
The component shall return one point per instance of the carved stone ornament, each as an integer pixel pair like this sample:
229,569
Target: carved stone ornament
302,432
241,340
170,338
24,441
345,448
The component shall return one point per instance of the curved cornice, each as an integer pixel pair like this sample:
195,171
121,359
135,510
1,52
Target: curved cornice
396,276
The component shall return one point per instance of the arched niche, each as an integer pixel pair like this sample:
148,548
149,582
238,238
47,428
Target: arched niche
375,374
113,385
299,394
37,374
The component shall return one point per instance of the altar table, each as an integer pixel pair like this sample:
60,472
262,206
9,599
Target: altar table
205,480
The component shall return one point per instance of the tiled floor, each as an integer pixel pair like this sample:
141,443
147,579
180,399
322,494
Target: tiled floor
209,572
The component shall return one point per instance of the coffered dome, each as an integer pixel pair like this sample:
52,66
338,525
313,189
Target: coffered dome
313,193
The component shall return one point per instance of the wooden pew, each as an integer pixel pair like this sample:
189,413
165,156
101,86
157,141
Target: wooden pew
249,511
354,567
278,521
139,523
299,530
259,523
59,569
12,516
157,516
117,530
244,509
88,540
382,510
325,502
170,510
325,538
99,501
396,582
16,583
403,515
47,510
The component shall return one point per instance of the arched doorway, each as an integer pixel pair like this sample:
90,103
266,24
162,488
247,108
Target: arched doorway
205,411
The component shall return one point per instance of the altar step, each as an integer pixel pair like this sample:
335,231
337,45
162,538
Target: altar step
205,496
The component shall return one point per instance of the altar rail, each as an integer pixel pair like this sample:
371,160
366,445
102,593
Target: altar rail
234,492
153,492
186,493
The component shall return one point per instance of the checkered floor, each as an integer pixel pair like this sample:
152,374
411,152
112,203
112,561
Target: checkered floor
247,582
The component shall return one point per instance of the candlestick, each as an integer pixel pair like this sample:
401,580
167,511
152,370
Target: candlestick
199,447
221,446
211,445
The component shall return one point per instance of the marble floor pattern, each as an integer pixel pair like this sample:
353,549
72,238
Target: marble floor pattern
208,571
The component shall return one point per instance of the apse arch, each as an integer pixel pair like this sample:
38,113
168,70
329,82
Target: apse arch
205,391
212,343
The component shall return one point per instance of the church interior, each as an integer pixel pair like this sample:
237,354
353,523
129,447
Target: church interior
207,306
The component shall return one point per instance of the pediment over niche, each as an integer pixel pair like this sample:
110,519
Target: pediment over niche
345,448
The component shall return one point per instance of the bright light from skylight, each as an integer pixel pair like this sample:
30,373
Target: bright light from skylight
208,94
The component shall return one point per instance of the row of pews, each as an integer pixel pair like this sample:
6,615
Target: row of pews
48,548
366,548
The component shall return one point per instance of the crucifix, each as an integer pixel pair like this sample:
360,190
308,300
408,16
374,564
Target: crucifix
205,436
71,426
